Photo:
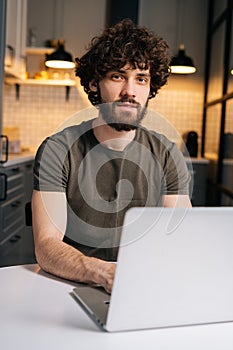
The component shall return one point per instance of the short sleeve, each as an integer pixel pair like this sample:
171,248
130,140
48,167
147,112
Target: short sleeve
51,167
176,174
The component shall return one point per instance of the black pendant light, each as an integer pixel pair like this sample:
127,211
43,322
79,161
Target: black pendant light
59,58
182,64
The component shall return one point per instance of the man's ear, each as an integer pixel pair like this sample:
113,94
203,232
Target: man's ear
93,85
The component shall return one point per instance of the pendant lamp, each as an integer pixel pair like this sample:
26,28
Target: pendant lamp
59,58
182,64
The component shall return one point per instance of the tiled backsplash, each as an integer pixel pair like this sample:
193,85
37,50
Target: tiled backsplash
41,109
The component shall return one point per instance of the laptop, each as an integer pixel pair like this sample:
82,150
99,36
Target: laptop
174,268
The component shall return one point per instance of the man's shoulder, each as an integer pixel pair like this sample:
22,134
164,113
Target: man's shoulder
69,134
65,139
74,129
153,137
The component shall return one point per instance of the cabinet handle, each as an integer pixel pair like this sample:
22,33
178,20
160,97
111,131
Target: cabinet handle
15,238
4,142
3,187
18,169
29,166
11,54
16,204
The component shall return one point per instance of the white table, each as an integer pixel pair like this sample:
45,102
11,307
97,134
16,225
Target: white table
37,312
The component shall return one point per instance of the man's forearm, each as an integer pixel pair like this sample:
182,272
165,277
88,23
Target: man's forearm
65,261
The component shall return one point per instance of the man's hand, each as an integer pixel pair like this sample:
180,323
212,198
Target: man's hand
104,274
109,275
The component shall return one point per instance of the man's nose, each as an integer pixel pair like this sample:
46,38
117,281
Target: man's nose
128,89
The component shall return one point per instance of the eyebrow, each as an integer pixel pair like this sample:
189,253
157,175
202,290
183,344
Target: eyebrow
123,71
144,74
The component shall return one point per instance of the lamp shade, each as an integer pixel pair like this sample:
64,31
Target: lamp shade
59,59
182,64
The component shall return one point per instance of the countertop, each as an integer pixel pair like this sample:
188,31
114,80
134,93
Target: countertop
15,159
213,158
197,160
25,156
37,312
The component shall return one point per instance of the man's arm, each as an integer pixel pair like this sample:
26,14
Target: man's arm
57,257
176,201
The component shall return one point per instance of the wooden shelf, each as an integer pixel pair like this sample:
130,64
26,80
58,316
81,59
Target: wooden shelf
67,83
45,82
39,50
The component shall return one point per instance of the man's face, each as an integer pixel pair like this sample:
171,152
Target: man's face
124,93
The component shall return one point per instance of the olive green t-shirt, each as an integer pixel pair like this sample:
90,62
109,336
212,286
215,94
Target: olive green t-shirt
101,184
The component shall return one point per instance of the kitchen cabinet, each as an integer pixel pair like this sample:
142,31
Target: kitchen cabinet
198,168
16,24
16,240
225,199
2,55
227,181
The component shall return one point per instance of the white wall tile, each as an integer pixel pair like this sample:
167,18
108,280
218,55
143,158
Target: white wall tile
40,109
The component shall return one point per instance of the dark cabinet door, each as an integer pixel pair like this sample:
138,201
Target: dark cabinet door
16,239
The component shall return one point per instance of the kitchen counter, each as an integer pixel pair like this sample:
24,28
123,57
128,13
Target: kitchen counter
212,157
38,312
25,156
16,159
198,160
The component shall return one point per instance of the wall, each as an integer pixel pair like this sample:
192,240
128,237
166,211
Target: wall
41,109
179,21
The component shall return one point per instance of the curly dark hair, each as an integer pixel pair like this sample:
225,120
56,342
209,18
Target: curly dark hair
121,44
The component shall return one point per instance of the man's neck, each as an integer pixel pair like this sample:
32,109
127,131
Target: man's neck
111,138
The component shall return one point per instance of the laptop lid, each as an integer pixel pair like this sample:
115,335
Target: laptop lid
174,268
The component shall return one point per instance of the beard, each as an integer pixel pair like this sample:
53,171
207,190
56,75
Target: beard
120,119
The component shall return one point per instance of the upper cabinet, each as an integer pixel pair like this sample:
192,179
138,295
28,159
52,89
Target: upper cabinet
17,63
16,26
36,23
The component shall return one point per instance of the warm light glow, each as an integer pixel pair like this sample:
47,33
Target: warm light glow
59,64
183,69
232,71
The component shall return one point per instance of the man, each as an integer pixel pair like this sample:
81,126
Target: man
88,175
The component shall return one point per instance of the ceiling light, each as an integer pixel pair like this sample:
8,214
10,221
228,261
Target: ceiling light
182,64
60,58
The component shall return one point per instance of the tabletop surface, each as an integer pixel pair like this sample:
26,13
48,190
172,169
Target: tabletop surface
37,312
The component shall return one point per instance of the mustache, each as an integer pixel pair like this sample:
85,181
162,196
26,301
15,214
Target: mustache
127,99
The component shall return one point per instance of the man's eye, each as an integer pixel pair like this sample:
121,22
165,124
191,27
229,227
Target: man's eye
143,80
116,77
